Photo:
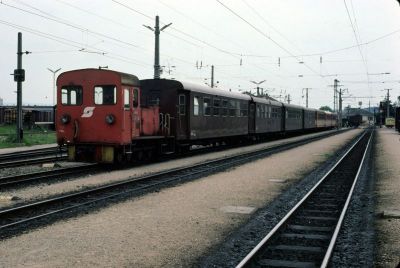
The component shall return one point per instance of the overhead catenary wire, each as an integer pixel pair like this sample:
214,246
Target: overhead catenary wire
266,36
73,43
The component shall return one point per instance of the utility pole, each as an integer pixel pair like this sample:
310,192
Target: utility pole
258,86
288,99
19,77
212,75
306,89
157,31
387,102
54,83
335,85
369,110
340,107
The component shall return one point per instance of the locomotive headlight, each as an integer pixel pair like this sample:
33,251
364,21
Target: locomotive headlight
110,119
65,119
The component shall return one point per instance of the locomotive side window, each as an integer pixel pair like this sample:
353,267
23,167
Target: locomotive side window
195,105
71,95
182,104
126,98
207,106
105,95
135,97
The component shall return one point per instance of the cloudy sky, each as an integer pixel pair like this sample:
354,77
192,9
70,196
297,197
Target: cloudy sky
292,44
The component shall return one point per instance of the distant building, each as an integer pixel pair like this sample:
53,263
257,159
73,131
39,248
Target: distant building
1,102
366,115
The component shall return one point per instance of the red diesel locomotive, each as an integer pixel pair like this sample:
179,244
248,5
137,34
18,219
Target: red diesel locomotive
107,116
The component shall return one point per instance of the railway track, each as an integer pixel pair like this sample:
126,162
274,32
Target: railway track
15,218
18,180
306,236
31,157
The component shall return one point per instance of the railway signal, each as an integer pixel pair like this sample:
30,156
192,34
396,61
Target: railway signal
19,77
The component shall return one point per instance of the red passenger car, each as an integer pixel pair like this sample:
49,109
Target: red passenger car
99,116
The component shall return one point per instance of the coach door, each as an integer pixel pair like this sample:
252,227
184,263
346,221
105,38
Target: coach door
136,116
252,118
182,115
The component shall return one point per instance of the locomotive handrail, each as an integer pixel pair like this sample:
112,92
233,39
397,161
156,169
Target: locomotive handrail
168,123
76,129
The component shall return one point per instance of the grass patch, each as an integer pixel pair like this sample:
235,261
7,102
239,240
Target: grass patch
8,137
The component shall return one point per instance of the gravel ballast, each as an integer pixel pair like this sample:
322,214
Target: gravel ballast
76,184
173,227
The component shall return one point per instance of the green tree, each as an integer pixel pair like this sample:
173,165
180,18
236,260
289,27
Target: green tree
326,108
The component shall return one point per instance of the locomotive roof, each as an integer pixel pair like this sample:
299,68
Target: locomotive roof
126,79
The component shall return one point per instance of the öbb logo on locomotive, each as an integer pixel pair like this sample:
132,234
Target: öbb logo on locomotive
88,112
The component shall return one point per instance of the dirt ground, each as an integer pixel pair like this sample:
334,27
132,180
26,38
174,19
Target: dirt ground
388,198
172,227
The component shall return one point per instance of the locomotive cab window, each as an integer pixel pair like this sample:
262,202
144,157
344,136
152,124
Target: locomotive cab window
126,98
105,95
71,95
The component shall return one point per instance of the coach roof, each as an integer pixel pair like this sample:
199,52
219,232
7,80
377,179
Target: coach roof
213,91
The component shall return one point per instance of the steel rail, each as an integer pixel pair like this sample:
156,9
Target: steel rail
342,215
38,160
245,261
16,180
29,153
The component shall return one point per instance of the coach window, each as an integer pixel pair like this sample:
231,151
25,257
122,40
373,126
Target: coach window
135,100
243,109
71,95
224,110
182,104
105,95
217,104
207,106
126,98
195,105
232,108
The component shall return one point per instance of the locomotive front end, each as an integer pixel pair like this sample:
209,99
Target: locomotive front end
95,117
